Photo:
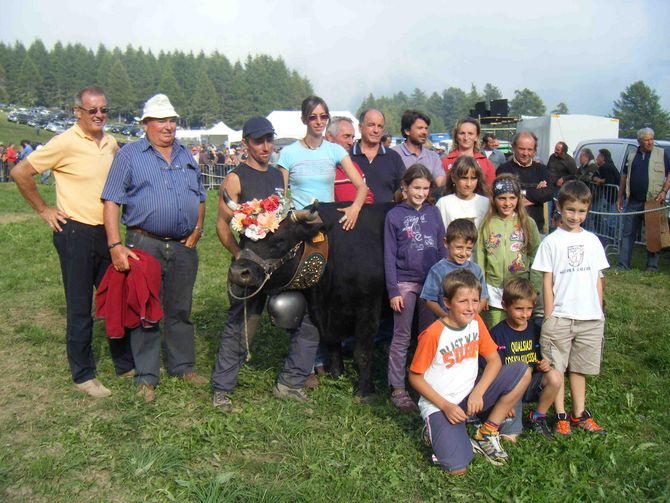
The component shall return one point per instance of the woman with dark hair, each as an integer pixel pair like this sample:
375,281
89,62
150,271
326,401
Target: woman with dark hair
308,165
465,141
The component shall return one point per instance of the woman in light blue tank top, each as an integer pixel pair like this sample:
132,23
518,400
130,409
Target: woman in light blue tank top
308,165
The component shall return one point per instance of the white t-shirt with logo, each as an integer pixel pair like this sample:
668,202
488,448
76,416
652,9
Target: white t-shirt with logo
575,259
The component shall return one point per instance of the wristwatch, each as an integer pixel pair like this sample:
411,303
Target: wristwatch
200,230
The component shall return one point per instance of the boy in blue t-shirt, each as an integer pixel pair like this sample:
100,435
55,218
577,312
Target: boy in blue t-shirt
460,240
519,340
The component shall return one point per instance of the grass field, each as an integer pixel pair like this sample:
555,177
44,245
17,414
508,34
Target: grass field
57,445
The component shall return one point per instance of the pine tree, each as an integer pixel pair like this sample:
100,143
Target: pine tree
473,97
418,99
435,110
29,83
639,106
560,109
120,92
57,90
526,102
170,87
4,96
39,55
455,106
491,92
205,101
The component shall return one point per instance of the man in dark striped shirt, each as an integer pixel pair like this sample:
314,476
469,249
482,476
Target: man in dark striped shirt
159,184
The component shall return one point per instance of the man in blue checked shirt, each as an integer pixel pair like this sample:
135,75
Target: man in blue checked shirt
160,187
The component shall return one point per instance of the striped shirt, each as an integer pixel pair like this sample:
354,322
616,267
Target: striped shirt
158,197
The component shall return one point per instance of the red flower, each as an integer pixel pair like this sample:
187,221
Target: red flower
249,221
271,203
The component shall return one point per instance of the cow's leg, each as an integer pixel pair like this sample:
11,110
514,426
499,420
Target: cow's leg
336,363
366,329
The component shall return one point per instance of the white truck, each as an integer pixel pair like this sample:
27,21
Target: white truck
570,128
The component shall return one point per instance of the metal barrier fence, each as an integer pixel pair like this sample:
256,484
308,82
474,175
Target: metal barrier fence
213,174
603,219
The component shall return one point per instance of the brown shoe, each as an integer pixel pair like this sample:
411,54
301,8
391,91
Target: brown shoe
147,392
194,378
93,388
312,381
128,375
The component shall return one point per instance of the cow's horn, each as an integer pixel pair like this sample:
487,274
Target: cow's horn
229,202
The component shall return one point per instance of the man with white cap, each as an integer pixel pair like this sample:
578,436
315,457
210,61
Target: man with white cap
159,184
80,159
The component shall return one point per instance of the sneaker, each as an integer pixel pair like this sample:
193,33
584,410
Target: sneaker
586,423
562,425
146,391
221,400
489,446
403,401
93,388
539,425
312,381
282,391
194,378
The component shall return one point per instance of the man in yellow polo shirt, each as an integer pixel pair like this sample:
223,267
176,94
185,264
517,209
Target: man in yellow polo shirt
80,159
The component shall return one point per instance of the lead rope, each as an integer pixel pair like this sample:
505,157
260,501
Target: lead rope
246,333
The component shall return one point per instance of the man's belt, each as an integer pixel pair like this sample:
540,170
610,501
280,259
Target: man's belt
137,230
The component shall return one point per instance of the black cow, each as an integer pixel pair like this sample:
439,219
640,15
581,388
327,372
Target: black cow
349,297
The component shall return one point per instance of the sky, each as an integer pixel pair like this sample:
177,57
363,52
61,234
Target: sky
582,53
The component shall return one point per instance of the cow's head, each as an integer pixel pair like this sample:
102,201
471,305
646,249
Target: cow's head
269,263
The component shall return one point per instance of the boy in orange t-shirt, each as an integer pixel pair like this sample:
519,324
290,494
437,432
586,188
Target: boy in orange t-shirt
444,372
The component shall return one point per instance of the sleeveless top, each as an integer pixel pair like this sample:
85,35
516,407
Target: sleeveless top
256,184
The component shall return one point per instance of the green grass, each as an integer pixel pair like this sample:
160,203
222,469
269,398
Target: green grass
58,446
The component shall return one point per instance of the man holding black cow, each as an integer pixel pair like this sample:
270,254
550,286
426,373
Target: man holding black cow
254,179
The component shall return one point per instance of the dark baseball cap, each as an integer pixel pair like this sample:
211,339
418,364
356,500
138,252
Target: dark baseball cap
257,127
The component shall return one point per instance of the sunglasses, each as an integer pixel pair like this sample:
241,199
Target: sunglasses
313,117
93,111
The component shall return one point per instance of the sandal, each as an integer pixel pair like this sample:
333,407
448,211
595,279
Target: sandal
403,401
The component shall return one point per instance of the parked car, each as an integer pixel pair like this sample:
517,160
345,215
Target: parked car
618,147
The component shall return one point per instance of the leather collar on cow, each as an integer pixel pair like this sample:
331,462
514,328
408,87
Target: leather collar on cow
312,263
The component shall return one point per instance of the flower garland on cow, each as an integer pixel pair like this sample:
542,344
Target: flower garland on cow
256,218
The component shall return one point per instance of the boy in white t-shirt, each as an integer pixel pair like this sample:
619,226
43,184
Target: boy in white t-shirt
444,372
572,259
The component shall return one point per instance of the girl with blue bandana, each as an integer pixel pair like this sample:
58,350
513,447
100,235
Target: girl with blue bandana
508,240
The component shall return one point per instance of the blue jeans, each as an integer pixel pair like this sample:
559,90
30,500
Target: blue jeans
631,226
84,258
179,267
